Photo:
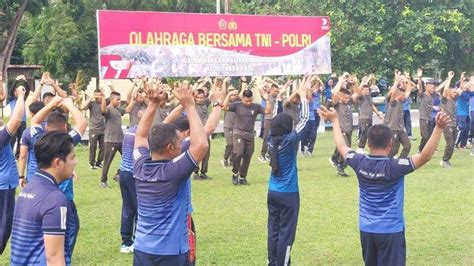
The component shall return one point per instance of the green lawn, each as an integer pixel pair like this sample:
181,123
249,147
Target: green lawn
231,221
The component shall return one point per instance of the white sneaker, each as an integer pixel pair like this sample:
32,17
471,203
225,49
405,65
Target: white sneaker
360,151
126,249
262,158
331,162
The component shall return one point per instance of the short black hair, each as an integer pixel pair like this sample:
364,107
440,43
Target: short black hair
162,135
97,90
274,86
379,136
56,120
35,107
247,93
48,94
199,91
345,91
52,145
182,123
114,93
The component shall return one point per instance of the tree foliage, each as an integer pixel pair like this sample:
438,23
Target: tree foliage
366,36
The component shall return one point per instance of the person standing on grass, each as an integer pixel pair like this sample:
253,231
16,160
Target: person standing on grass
425,106
40,227
381,188
162,170
462,114
366,108
229,121
202,103
8,168
113,133
400,90
96,128
270,111
448,99
343,99
56,121
246,113
283,199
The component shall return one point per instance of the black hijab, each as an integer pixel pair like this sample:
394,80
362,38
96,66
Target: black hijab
282,125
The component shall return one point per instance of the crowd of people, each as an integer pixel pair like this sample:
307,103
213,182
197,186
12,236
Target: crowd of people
168,139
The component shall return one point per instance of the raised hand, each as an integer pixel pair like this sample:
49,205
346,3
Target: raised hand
450,74
442,120
20,90
327,114
419,72
184,93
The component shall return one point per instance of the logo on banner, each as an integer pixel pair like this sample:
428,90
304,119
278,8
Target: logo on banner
325,25
224,25
112,66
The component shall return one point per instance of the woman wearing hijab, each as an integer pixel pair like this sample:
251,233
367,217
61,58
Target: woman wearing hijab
283,197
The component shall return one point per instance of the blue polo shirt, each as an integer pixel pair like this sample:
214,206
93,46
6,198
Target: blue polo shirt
126,165
462,104
32,164
163,197
406,104
41,209
381,191
8,168
317,100
67,185
287,182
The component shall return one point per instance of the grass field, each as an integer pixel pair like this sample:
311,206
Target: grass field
231,220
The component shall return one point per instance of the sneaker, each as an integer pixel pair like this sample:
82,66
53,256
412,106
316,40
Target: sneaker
411,138
197,177
445,164
243,181
204,176
331,162
93,167
99,165
225,163
104,185
262,158
340,171
235,179
126,249
360,151
116,178
308,154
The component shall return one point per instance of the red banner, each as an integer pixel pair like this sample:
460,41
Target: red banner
183,44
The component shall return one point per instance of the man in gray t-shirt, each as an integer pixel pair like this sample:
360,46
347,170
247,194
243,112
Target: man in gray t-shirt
425,106
448,99
394,117
243,136
202,103
229,121
113,133
366,107
271,102
96,128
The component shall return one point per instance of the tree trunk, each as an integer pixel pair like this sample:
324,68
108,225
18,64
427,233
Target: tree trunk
7,49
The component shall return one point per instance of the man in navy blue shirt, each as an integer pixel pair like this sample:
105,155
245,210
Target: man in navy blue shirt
41,211
381,189
56,121
162,171
8,169
283,192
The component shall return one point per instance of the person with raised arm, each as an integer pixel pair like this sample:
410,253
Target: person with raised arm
8,169
162,170
283,200
381,188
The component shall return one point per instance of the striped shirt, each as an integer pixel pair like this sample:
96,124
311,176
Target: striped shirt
381,191
126,165
41,209
163,196
8,168
37,132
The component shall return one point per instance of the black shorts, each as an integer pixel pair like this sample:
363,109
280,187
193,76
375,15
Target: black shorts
146,259
383,249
